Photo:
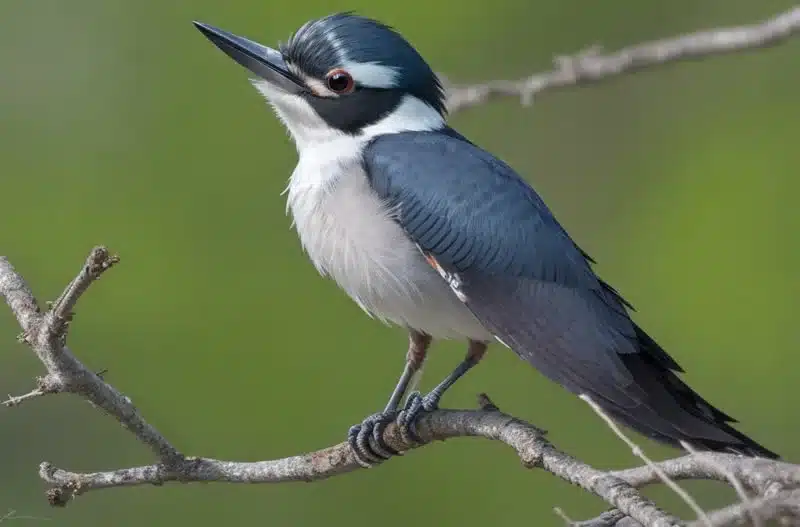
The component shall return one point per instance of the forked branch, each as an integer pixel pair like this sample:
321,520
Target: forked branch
767,489
46,333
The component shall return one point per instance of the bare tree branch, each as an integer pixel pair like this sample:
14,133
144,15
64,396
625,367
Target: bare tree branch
784,504
47,334
775,482
775,485
12,515
744,497
757,474
591,65
638,452
530,444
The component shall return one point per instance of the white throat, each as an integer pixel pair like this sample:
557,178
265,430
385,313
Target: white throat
350,234
326,153
308,129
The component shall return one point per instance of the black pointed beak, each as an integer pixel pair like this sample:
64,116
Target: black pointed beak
265,62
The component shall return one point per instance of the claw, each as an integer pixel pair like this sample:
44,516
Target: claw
430,402
405,420
365,461
415,406
366,440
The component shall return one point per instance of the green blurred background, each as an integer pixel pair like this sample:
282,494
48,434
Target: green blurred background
120,124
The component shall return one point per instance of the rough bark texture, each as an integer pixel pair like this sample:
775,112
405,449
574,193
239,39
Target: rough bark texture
767,489
592,65
775,484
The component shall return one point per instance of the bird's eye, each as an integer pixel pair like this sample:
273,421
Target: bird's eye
339,81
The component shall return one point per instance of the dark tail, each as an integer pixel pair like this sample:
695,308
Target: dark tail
694,419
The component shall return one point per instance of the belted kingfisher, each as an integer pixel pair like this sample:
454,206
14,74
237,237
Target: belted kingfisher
426,230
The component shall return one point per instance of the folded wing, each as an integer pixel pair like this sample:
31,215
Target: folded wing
524,278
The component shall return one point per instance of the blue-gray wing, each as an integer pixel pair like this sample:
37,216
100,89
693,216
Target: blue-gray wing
472,210
522,276
483,223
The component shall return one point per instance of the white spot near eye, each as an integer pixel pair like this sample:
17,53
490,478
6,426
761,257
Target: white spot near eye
372,74
318,87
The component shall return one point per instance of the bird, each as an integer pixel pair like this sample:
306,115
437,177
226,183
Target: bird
426,230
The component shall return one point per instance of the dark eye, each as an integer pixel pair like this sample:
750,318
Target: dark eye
339,81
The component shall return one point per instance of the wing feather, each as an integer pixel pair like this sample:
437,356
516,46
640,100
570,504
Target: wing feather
508,259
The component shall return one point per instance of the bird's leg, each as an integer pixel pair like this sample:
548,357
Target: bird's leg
418,344
417,404
375,451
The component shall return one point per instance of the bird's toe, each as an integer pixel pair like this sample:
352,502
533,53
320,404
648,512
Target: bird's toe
366,440
407,419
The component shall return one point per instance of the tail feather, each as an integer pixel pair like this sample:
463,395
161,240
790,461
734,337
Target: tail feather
584,340
656,370
694,420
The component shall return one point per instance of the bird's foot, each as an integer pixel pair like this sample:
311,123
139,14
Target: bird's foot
366,439
416,405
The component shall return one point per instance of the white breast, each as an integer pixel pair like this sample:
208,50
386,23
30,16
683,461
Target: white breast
350,236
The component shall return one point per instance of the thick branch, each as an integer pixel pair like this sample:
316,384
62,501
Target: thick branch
527,440
776,484
591,65
66,373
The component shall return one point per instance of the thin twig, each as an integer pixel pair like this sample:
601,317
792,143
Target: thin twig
616,488
776,483
758,474
529,442
592,66
638,452
16,400
563,515
735,483
12,515
96,264
785,504
50,383
46,334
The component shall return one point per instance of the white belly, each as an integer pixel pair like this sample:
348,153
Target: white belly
350,236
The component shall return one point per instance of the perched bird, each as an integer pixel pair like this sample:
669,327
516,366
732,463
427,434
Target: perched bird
424,229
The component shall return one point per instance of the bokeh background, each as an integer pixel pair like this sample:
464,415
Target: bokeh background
120,124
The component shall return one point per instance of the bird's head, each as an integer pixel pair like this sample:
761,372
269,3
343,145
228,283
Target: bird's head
341,74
